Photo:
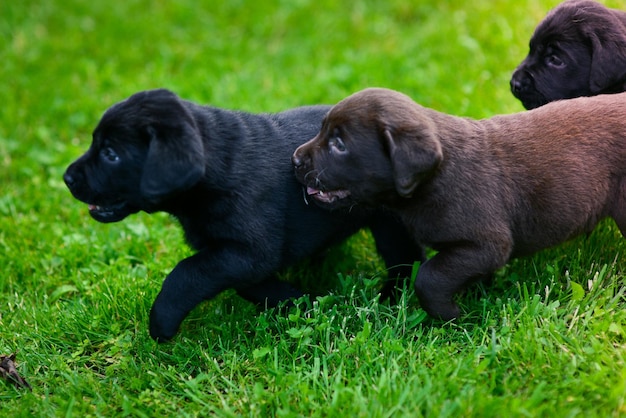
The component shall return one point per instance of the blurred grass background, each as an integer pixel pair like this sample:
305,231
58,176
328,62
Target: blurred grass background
547,338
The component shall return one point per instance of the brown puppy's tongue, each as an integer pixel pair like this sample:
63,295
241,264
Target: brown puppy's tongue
310,190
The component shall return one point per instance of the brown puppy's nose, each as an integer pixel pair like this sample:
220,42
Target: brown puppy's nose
297,159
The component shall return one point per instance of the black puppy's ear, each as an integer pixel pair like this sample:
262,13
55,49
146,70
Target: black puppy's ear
414,156
175,160
608,56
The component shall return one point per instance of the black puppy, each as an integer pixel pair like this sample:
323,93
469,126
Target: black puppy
579,49
226,176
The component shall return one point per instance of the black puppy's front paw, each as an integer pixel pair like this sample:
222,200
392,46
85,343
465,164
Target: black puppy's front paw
444,311
160,332
163,325
436,302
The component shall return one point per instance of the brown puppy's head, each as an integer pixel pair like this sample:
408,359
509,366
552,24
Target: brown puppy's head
373,146
579,49
144,150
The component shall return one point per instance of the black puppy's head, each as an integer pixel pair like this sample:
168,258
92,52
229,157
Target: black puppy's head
579,49
373,147
144,150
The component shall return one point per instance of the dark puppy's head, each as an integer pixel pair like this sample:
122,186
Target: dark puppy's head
579,49
144,150
374,145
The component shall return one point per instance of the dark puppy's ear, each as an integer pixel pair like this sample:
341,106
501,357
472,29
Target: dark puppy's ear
175,160
414,156
608,54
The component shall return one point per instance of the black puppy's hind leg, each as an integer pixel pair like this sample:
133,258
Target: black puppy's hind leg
399,252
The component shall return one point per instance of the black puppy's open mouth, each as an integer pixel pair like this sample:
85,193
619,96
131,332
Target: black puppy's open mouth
112,213
327,196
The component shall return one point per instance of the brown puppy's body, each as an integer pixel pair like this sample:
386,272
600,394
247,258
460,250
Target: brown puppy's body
579,49
479,191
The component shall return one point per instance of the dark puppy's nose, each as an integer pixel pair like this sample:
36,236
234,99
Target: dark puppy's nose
297,160
520,82
69,179
516,85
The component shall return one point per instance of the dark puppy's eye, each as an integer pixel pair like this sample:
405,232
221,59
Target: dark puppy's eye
554,61
337,144
551,56
109,155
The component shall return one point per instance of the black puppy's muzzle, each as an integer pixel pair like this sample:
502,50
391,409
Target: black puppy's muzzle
69,179
524,89
73,178
521,83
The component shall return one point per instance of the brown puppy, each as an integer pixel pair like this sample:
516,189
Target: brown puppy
579,49
478,191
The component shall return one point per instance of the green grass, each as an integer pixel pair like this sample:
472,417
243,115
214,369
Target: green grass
546,338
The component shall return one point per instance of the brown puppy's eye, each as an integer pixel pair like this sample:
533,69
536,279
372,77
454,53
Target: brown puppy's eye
337,144
109,155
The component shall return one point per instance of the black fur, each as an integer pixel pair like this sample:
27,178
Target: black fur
226,176
579,49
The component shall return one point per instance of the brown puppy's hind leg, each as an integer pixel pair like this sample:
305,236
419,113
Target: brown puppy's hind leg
618,210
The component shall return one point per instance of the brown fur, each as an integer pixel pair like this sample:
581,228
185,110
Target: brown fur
479,191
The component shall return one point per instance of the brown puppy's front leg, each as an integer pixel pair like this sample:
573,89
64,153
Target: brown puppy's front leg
453,269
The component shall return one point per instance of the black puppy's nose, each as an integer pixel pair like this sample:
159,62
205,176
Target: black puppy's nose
516,85
520,82
69,179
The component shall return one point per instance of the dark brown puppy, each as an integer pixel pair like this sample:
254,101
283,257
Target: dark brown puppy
579,49
478,191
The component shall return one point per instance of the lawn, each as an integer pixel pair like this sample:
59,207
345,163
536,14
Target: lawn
546,338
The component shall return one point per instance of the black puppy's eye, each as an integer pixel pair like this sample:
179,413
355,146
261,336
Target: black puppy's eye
336,143
551,56
554,61
109,155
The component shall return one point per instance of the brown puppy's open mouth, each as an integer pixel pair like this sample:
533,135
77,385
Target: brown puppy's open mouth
327,196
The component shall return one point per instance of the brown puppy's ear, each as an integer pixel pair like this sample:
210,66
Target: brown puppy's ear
175,160
414,156
608,57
